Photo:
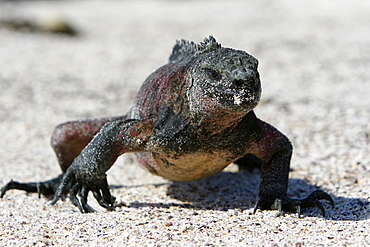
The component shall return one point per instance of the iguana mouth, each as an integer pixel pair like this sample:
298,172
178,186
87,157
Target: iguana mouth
239,101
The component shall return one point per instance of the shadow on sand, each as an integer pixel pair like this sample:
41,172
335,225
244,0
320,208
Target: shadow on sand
229,190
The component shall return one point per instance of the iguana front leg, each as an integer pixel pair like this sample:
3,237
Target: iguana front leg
275,151
88,170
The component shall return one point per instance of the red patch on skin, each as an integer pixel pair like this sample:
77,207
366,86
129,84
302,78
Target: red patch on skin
268,144
133,133
140,130
163,85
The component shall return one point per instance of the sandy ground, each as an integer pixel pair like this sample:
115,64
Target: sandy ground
314,64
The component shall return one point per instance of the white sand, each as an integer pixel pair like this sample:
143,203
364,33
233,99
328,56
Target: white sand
314,64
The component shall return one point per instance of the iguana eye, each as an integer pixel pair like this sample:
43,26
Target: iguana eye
213,74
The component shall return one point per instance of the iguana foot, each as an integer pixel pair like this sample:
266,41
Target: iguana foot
99,187
295,205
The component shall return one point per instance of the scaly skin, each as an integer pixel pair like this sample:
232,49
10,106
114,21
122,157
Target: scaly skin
191,118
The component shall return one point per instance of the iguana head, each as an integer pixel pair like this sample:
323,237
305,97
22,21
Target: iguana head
220,80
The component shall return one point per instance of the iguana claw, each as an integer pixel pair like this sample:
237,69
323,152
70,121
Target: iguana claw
295,205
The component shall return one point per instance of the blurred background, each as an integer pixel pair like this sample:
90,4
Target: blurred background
68,60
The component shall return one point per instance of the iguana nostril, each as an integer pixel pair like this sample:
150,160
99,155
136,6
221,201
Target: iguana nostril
243,83
239,83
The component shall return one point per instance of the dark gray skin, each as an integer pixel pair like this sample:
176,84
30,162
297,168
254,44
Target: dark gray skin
191,118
